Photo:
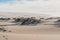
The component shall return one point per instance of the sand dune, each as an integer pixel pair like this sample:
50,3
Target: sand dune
30,32
42,32
15,36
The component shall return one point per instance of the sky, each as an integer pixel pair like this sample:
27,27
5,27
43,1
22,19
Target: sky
50,7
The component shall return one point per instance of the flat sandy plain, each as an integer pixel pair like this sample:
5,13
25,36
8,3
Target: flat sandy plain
40,32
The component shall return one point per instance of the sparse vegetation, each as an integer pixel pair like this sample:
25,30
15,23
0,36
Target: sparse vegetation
3,29
58,20
10,31
27,21
4,18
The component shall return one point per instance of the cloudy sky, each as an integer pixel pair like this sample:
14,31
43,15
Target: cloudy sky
51,7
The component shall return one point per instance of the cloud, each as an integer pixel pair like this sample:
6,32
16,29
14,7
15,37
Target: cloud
51,7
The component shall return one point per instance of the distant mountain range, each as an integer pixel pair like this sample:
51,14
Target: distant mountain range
17,14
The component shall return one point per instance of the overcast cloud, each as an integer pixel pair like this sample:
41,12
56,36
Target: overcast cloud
51,7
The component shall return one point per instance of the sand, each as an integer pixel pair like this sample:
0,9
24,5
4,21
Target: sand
42,32
14,36
39,32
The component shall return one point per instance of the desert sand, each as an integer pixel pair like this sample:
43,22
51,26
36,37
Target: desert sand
42,32
30,32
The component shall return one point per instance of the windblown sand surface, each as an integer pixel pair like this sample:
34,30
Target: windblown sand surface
42,32
14,36
42,29
18,32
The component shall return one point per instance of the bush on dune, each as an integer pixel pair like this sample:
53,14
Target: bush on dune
27,21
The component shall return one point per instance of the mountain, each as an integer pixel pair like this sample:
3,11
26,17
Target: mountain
18,14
